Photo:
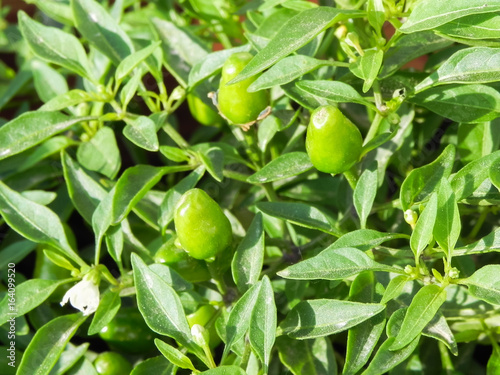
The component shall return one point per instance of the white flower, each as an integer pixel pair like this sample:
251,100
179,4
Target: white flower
84,296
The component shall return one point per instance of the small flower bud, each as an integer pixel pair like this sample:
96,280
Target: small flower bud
411,217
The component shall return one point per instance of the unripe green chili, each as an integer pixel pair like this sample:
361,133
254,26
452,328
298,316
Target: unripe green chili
333,142
236,104
202,228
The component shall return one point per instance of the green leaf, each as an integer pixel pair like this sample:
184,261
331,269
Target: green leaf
428,14
239,319
332,91
55,46
423,308
376,14
85,193
408,48
394,288
157,365
108,307
295,33
69,357
249,256
101,153
477,26
225,370
142,132
362,339
49,83
173,195
181,49
448,225
386,359
333,264
101,30
15,252
129,90
365,239
56,10
301,214
159,304
485,284
323,317
213,160
422,234
365,192
421,182
462,67
287,70
489,243
171,277
493,366
311,357
262,330
173,355
32,128
48,344
439,329
28,295
67,99
284,166
35,222
212,64
367,67
132,61
50,147
464,103
468,179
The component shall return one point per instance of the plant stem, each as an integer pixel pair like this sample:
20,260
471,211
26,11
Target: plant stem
175,135
374,128
351,177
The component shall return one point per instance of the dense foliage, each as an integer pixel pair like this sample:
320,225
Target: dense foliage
250,187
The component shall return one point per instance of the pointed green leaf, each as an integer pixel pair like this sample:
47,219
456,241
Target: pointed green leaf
429,14
365,192
462,67
108,307
142,132
101,30
323,317
173,355
485,283
101,153
48,344
422,234
448,225
32,128
295,33
262,330
334,264
55,46
423,308
28,295
421,182
332,91
249,256
35,222
311,357
284,166
439,329
367,67
132,61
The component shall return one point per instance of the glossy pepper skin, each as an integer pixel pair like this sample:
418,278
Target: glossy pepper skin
202,228
128,332
237,104
202,112
333,142
111,363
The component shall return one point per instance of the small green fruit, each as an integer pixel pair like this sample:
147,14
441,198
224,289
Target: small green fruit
333,142
202,228
237,104
202,112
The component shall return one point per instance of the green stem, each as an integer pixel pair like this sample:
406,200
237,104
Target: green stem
377,95
479,223
246,356
374,128
175,135
235,175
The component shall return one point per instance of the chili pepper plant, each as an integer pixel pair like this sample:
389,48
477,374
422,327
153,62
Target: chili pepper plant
250,187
